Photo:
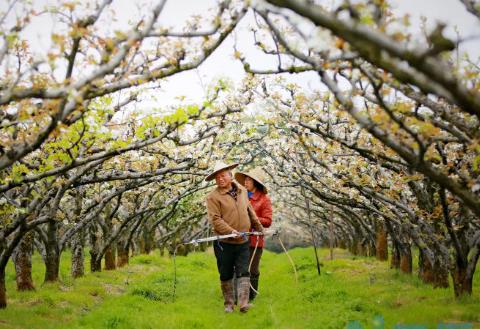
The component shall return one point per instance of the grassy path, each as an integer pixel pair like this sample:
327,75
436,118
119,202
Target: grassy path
140,296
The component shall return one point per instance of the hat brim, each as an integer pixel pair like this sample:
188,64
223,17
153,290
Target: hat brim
240,177
212,175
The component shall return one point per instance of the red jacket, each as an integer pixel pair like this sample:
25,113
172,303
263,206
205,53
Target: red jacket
263,209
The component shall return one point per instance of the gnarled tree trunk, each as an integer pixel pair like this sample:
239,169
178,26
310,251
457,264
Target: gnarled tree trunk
95,258
148,240
3,290
22,258
52,264
463,272
78,256
381,243
462,282
353,245
95,262
435,274
110,261
122,253
360,250
406,259
395,260
52,253
78,240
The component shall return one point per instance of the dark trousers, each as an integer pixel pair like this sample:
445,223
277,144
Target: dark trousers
254,271
232,258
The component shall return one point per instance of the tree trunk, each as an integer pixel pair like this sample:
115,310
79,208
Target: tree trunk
440,275
52,264
148,239
95,262
141,248
360,250
133,248
353,246
395,260
425,270
371,250
381,243
52,253
3,290
22,258
122,254
437,275
78,257
78,240
148,246
110,261
95,259
406,259
462,282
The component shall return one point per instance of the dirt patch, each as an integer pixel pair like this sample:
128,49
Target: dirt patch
398,303
112,289
33,302
338,254
349,270
63,304
142,268
65,288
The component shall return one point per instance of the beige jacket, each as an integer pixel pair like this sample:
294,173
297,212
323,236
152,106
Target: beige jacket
226,214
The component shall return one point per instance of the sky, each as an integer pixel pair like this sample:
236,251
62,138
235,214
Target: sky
221,63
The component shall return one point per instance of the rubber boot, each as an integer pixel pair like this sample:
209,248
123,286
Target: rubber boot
254,283
227,290
243,293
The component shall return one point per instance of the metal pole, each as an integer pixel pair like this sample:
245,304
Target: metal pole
312,232
330,238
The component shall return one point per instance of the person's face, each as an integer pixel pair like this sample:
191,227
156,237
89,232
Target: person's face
249,185
223,178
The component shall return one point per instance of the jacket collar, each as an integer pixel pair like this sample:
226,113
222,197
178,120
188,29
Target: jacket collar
257,195
225,190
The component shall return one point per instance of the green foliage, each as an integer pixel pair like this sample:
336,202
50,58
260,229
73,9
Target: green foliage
180,116
18,171
476,160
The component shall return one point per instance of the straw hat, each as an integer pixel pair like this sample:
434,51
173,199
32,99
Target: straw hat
256,174
220,165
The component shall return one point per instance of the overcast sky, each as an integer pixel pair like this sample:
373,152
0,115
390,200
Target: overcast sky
221,63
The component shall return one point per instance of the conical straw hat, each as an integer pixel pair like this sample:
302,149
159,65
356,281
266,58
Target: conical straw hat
220,165
256,174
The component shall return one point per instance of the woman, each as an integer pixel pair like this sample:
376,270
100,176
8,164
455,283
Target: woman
257,194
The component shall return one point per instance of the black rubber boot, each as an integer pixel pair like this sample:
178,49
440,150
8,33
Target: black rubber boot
254,283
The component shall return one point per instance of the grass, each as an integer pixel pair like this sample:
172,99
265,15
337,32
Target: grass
141,296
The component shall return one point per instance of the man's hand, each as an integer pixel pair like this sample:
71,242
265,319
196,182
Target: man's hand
235,232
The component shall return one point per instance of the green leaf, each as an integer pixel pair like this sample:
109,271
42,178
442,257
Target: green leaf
12,38
476,162
193,110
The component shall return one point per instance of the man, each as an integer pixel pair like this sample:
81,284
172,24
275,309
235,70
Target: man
229,211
